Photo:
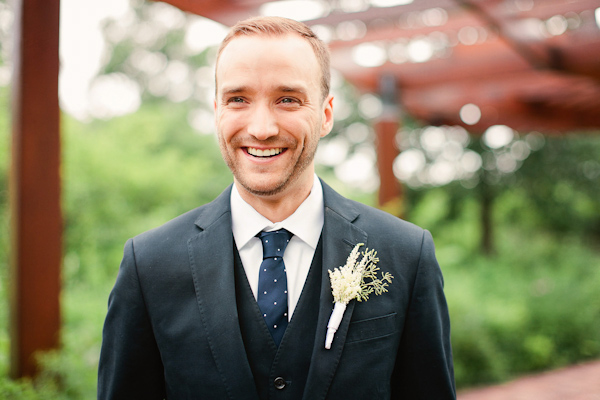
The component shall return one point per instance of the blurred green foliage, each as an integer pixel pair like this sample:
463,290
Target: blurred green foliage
562,183
127,175
535,304
532,306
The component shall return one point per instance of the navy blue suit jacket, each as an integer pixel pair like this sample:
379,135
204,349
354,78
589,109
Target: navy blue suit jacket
172,327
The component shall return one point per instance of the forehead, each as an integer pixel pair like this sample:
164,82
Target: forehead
262,58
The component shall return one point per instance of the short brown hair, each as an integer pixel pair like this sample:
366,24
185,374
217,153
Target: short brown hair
279,26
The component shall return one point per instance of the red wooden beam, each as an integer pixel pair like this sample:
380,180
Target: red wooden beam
36,223
386,128
389,196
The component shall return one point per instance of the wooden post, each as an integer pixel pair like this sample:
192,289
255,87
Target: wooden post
386,128
387,151
36,222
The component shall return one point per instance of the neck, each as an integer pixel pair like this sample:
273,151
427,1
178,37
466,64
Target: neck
278,207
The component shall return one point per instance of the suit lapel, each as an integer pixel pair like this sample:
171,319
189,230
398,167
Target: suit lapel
211,261
340,235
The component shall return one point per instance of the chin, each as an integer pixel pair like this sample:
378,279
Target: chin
264,187
264,190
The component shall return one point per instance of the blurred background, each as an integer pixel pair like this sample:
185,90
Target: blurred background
477,120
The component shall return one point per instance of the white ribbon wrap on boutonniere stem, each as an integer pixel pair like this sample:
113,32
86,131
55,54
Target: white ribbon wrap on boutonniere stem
355,280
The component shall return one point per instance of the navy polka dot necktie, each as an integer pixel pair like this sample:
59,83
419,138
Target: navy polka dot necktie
272,282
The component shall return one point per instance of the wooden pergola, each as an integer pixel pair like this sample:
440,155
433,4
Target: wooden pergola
533,65
528,64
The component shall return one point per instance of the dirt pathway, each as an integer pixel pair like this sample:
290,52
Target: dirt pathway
578,382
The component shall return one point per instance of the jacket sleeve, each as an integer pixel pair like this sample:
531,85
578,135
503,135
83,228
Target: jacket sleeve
130,365
424,367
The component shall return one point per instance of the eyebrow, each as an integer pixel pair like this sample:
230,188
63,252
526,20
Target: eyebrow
281,88
235,90
292,89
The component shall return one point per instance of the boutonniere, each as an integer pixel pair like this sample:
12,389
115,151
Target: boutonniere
355,280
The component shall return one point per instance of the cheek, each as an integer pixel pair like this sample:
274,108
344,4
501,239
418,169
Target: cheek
226,126
300,127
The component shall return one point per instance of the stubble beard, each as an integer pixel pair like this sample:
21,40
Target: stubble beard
305,159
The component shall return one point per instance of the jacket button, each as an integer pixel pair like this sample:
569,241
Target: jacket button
279,383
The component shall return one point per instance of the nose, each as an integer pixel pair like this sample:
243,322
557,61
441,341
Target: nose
262,123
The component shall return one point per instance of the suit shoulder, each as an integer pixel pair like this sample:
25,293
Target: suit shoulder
375,216
180,223
387,228
377,223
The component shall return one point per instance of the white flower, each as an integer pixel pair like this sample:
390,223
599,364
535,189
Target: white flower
348,283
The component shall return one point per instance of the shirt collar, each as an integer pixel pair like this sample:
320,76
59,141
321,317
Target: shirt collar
305,223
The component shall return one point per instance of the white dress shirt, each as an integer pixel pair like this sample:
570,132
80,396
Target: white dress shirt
306,223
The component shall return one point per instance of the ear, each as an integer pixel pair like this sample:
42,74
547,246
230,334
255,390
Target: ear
215,115
327,123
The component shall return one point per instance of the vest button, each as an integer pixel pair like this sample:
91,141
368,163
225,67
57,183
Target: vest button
279,383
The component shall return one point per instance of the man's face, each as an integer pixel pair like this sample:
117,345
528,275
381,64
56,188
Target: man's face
269,112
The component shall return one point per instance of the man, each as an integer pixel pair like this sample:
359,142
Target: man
190,315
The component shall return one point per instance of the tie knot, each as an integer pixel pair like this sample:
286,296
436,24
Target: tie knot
274,242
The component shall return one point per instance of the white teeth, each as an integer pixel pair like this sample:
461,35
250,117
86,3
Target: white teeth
264,153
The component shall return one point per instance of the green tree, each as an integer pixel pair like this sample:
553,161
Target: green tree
562,183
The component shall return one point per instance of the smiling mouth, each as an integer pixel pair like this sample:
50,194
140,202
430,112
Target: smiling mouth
264,153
